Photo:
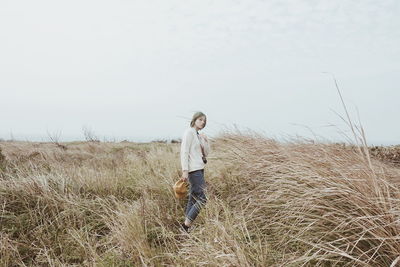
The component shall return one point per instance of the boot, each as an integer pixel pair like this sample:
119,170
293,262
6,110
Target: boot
185,227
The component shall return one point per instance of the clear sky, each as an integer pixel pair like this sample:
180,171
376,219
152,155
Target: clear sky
138,70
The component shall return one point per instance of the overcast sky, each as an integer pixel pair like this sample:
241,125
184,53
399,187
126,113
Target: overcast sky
138,70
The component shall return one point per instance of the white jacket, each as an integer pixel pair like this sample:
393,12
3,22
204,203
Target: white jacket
191,156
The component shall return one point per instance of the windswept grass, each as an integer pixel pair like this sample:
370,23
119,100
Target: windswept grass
299,203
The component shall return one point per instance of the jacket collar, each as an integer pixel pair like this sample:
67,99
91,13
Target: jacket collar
194,130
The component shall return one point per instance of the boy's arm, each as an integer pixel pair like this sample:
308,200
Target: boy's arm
185,146
207,146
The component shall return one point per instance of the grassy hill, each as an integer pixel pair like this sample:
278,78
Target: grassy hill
270,204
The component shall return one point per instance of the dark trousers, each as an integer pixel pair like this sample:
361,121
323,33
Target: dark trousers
197,194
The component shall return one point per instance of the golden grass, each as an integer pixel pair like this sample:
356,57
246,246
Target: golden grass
299,203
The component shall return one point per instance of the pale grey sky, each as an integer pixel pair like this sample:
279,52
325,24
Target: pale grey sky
140,69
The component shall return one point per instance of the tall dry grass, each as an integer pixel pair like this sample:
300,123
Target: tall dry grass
297,203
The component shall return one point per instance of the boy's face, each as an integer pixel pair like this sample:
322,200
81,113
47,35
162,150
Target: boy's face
200,122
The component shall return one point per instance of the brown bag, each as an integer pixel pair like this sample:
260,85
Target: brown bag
202,150
180,188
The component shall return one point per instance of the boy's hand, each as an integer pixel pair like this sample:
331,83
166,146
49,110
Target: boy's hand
204,136
185,175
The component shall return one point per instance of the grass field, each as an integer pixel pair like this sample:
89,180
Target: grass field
298,203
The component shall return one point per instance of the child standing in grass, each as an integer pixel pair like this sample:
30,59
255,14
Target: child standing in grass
194,150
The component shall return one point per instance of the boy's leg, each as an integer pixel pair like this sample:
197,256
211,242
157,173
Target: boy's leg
198,194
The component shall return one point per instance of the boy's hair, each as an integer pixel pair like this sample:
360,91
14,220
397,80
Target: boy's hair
196,116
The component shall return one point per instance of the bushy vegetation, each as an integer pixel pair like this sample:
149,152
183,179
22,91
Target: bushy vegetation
299,203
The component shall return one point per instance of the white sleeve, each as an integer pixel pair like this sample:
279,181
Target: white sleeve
207,147
185,146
